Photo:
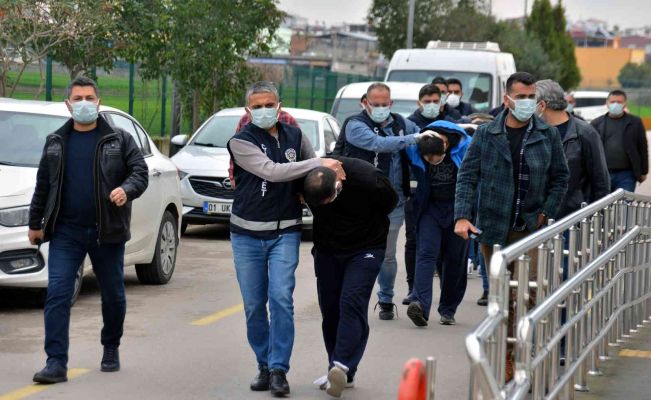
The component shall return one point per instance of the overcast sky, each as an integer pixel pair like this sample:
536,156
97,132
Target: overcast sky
625,13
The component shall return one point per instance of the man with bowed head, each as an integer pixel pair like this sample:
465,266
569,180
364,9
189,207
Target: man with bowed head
268,158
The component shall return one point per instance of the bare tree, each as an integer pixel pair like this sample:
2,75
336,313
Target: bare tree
28,31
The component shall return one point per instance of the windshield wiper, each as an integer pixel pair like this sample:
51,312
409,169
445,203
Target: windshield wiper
204,144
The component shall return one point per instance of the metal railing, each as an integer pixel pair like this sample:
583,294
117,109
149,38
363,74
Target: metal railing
605,249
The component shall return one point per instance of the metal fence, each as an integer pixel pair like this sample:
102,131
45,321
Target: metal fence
606,250
314,88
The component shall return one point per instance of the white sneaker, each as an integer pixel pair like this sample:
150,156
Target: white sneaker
336,380
322,382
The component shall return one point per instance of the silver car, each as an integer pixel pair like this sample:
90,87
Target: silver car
203,162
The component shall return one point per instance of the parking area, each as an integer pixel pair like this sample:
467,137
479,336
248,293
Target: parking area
187,339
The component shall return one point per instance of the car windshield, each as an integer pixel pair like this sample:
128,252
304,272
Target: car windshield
347,107
22,136
590,101
476,86
218,131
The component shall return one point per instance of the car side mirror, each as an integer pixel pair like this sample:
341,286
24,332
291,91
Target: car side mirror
331,148
180,140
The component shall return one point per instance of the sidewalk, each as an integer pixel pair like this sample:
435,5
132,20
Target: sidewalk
628,374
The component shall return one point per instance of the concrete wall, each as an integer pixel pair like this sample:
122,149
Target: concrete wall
600,66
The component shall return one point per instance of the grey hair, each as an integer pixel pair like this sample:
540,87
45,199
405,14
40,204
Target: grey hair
378,85
262,87
552,94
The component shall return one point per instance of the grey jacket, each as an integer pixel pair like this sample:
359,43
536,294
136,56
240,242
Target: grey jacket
589,178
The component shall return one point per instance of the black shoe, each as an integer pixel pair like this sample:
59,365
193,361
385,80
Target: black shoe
483,300
447,320
279,385
52,373
415,313
386,310
261,381
407,299
110,360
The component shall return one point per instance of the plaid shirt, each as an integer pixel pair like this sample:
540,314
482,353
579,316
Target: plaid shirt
486,178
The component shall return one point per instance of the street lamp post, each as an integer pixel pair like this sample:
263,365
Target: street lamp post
410,24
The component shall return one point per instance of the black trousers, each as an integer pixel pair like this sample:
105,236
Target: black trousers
345,284
410,243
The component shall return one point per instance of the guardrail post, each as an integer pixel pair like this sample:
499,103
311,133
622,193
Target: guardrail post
498,292
596,283
522,350
570,306
581,384
430,371
545,327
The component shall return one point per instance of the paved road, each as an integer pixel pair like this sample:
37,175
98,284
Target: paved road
165,356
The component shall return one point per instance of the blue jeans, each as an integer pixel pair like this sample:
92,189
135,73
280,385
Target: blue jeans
482,268
68,248
265,272
622,180
436,232
387,277
344,283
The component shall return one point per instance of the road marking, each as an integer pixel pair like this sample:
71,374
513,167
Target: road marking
630,353
210,319
37,388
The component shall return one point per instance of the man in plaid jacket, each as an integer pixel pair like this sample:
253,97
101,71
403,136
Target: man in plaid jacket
518,165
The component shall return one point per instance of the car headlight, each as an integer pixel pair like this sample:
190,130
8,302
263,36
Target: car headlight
16,216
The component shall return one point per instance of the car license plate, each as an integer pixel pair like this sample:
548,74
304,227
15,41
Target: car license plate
216,208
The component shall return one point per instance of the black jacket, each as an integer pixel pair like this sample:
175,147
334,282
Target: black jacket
589,178
635,143
422,121
118,162
358,218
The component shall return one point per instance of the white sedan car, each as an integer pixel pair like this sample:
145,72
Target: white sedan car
155,219
203,162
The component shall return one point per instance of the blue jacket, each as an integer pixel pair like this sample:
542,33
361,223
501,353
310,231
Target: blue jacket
419,167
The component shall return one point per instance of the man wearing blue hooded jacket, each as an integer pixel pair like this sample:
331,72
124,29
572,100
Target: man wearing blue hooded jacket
435,161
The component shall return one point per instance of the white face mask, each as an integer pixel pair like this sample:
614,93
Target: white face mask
444,98
264,117
431,110
84,112
524,108
453,100
615,108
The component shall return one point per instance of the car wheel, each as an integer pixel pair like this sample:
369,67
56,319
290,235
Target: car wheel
184,227
159,271
79,279
41,296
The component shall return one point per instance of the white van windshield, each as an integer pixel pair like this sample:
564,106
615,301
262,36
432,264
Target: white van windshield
477,88
344,108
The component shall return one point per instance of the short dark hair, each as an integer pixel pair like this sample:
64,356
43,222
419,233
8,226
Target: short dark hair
431,146
428,90
319,185
454,81
617,92
522,77
439,80
377,85
364,96
81,81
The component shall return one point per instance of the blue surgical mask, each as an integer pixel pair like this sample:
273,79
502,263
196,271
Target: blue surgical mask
380,114
264,117
615,108
524,108
431,110
84,112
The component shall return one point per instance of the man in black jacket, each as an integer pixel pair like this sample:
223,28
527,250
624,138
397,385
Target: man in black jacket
589,179
351,225
624,139
88,175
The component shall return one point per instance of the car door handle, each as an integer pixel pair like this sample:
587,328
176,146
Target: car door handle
156,173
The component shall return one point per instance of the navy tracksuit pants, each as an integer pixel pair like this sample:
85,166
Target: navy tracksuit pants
345,284
436,240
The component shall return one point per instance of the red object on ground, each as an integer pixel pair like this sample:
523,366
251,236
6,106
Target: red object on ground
414,381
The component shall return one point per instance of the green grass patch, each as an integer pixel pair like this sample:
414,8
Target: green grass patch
640,110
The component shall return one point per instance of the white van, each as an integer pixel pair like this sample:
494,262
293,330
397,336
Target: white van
403,94
481,67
